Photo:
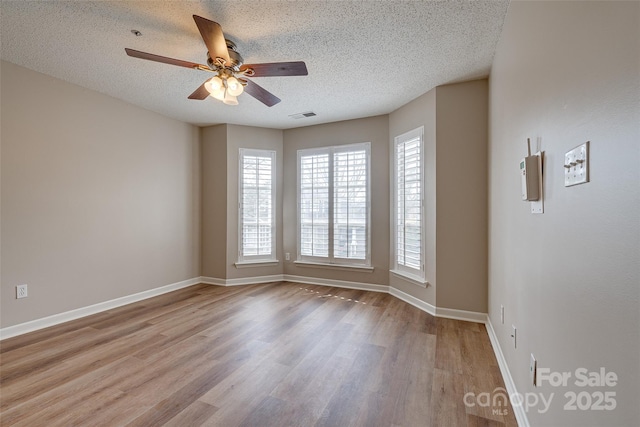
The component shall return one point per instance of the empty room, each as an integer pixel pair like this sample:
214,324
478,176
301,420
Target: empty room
320,213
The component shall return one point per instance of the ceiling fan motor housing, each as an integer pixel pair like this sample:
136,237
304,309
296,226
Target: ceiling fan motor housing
234,56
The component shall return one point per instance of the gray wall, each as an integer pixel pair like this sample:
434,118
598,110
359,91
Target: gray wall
100,199
566,73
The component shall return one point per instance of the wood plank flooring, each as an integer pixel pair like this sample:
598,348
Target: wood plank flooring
278,354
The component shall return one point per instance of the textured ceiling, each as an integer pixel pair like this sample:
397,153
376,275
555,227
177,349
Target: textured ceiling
364,57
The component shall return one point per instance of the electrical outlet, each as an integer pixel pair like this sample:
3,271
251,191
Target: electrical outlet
287,256
514,336
502,314
533,369
21,291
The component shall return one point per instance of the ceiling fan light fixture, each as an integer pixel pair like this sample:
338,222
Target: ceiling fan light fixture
214,85
219,95
234,87
230,99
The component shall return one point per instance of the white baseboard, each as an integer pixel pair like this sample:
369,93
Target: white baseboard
213,281
335,283
448,313
55,319
519,412
468,316
241,281
298,279
45,322
422,305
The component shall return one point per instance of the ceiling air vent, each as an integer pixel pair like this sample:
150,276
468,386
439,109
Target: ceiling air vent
302,115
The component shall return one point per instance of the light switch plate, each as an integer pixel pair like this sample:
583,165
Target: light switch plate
576,165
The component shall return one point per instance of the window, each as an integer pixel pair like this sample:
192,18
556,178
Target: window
408,210
257,206
333,205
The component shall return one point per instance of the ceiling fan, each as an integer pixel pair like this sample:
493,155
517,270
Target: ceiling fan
230,72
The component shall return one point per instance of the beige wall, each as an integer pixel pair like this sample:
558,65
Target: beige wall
220,172
213,195
455,134
100,199
566,73
374,130
420,112
461,195
79,174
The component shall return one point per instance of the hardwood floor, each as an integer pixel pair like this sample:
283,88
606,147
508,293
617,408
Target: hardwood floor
279,354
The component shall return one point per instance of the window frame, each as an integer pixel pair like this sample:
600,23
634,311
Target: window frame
414,275
331,259
256,259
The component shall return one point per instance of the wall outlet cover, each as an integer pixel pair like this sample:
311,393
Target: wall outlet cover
21,291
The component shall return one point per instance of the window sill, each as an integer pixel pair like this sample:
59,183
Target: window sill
412,278
363,268
261,263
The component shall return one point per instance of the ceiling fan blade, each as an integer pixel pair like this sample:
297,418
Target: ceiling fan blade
163,59
297,68
261,94
213,37
200,93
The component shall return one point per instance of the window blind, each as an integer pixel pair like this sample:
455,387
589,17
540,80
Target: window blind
314,205
350,204
333,196
256,204
409,203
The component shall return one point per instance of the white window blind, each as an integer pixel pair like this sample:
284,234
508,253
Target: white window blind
409,196
333,193
257,205
314,205
350,204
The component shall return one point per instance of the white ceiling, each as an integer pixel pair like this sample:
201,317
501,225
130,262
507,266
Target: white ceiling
364,57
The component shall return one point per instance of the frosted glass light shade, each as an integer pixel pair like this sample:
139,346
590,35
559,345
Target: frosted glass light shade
234,87
213,85
230,99
219,94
